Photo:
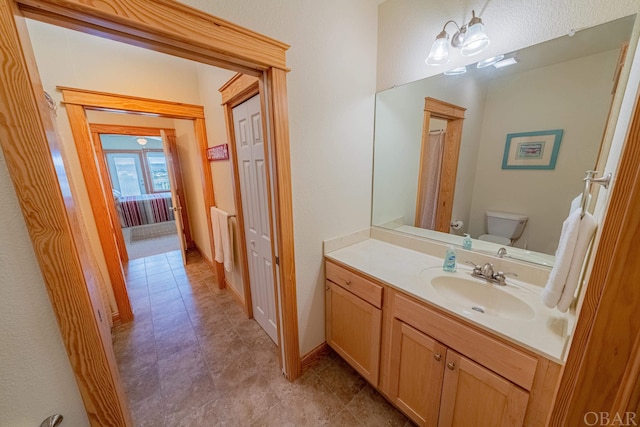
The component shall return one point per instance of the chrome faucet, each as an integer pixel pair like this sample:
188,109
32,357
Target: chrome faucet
501,252
487,273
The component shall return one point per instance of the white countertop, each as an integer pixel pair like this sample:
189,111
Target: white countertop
547,333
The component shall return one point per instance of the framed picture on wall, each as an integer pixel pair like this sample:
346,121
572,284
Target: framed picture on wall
532,150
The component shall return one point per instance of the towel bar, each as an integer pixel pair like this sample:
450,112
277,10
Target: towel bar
588,180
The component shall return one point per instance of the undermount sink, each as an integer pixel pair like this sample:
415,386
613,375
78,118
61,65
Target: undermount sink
483,298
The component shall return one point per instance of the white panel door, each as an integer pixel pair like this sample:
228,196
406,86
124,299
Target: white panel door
247,122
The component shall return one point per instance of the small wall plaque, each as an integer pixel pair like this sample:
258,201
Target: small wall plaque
218,152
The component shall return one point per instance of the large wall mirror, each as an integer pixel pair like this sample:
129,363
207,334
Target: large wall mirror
564,84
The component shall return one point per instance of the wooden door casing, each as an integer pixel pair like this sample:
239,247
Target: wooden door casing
454,115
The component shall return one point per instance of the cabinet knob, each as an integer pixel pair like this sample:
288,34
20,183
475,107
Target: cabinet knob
451,365
348,282
437,356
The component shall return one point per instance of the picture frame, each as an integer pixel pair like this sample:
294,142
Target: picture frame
218,152
532,150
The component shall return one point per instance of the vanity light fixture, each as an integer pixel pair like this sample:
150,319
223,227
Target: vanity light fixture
471,39
505,63
456,71
489,61
142,141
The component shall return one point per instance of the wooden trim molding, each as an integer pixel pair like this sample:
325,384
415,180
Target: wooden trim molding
314,356
237,90
94,100
76,100
102,214
454,115
29,146
168,26
601,354
278,107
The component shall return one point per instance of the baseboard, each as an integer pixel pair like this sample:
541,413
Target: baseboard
202,254
115,318
311,358
233,291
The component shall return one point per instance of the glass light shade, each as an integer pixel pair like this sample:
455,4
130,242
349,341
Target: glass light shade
439,53
489,61
475,41
456,71
142,141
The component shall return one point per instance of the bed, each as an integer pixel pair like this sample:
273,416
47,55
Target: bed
144,209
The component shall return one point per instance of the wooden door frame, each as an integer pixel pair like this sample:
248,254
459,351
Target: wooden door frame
603,366
76,101
237,90
96,130
32,154
454,115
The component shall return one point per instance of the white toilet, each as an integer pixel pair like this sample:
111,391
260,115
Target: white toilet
503,227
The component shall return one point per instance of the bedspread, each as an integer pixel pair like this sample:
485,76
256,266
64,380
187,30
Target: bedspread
144,209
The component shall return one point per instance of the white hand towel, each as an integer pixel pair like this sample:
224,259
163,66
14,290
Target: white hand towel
222,238
217,238
560,271
585,234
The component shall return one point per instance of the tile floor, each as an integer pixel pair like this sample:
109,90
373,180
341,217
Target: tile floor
192,358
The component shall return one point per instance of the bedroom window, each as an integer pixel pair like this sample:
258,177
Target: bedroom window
158,171
126,174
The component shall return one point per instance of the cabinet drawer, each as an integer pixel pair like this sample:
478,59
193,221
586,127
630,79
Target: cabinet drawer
514,365
357,285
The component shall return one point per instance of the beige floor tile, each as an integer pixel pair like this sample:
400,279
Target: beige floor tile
341,379
371,409
192,358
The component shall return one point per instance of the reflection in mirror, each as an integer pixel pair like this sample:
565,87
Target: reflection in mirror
564,84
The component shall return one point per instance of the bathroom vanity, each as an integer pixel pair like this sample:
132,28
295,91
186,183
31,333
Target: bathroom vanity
445,348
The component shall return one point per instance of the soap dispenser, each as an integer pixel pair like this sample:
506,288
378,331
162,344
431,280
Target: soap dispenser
449,264
466,242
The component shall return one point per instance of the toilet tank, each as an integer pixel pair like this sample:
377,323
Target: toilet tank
506,224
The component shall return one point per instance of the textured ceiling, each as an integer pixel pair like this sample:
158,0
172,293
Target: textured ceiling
407,28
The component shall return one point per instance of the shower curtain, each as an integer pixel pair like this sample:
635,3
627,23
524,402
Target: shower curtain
433,164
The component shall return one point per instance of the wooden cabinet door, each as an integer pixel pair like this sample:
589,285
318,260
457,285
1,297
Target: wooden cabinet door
415,378
474,396
353,330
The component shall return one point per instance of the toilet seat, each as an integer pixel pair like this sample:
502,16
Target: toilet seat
495,239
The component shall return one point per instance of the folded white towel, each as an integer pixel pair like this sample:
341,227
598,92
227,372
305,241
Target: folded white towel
560,271
563,280
585,234
222,238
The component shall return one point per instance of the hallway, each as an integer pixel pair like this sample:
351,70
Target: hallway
192,358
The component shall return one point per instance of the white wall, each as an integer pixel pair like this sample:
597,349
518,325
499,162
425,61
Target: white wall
552,97
407,29
36,377
331,99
